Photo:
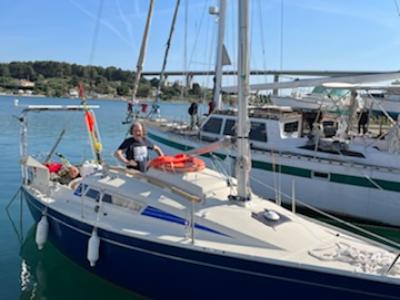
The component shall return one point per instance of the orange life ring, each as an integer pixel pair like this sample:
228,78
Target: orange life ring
180,163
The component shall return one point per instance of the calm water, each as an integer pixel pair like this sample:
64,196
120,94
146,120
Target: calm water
26,272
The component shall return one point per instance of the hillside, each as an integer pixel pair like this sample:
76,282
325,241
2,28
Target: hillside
60,79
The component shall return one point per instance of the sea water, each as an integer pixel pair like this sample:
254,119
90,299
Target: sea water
25,271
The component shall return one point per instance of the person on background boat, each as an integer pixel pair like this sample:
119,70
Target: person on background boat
211,103
130,107
129,113
155,111
363,121
144,107
133,152
210,107
355,103
193,115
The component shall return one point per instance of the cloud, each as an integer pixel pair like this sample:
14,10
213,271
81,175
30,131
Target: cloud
114,29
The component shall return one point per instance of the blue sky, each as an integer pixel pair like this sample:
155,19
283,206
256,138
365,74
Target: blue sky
286,34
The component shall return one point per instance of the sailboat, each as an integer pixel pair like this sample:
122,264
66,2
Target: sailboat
319,168
199,235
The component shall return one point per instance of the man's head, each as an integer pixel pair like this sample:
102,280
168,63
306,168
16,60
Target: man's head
136,130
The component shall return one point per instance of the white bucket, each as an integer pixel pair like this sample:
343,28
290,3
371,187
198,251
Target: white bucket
88,168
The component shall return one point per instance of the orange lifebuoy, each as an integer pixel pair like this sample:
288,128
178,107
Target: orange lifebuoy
180,163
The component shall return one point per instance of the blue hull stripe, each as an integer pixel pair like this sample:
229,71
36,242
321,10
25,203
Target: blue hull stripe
154,212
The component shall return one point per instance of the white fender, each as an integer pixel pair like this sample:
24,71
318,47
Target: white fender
42,231
93,248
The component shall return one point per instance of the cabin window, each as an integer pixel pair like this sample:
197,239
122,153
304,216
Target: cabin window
213,125
127,203
339,92
258,132
80,189
107,198
229,128
319,90
291,127
94,194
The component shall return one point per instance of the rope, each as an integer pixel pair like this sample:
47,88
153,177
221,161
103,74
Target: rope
377,262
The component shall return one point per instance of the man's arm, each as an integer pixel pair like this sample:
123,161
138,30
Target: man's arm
158,150
120,157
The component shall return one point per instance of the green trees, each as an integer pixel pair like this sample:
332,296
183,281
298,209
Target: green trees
58,79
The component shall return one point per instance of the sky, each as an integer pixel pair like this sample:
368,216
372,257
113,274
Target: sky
320,35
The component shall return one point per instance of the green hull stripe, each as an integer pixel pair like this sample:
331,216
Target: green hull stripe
362,181
299,172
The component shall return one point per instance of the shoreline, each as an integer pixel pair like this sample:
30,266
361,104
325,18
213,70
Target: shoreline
119,99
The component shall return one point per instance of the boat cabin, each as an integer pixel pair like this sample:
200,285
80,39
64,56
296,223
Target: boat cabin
269,124
277,127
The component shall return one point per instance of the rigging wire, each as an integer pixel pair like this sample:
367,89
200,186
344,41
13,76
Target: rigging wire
397,7
264,60
198,27
282,21
89,117
197,34
185,41
95,34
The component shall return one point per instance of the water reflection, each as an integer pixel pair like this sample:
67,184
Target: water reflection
48,275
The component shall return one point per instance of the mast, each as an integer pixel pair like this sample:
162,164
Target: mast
218,68
140,63
167,49
243,161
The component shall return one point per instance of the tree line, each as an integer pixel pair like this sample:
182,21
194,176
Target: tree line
58,79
